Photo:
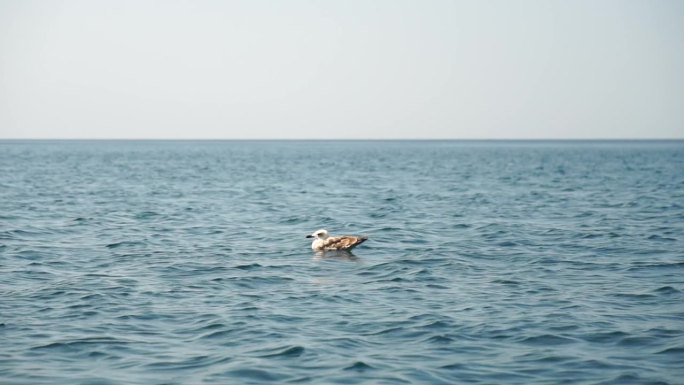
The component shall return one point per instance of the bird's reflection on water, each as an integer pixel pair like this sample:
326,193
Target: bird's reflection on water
335,255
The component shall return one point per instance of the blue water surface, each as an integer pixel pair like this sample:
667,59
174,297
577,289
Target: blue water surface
185,262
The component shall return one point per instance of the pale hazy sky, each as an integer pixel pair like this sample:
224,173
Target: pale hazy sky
342,69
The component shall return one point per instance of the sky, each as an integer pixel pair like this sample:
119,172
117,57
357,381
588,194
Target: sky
347,69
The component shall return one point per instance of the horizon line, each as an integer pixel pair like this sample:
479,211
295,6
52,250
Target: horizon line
358,139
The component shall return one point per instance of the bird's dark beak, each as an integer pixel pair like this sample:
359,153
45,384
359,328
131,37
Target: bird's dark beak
309,236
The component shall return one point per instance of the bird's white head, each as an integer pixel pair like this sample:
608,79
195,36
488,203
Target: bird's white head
319,234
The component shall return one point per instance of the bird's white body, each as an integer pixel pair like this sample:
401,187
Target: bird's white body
323,241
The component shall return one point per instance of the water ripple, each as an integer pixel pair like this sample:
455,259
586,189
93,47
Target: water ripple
185,262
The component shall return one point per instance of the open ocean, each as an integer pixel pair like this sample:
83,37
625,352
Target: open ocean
494,262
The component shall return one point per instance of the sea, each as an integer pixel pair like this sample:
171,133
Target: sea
488,262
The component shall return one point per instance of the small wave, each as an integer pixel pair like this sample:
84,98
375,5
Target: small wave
665,333
196,362
289,351
359,366
96,381
146,215
248,374
440,339
547,339
293,220
32,255
212,326
25,234
77,344
255,282
666,290
634,296
591,236
117,245
656,237
221,334
605,337
636,341
677,350
663,265
629,379
250,266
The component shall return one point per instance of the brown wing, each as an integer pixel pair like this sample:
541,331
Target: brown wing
344,242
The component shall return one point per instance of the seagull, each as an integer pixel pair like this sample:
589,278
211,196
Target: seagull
323,241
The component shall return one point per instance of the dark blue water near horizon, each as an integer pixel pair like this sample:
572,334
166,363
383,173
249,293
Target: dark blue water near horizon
185,262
